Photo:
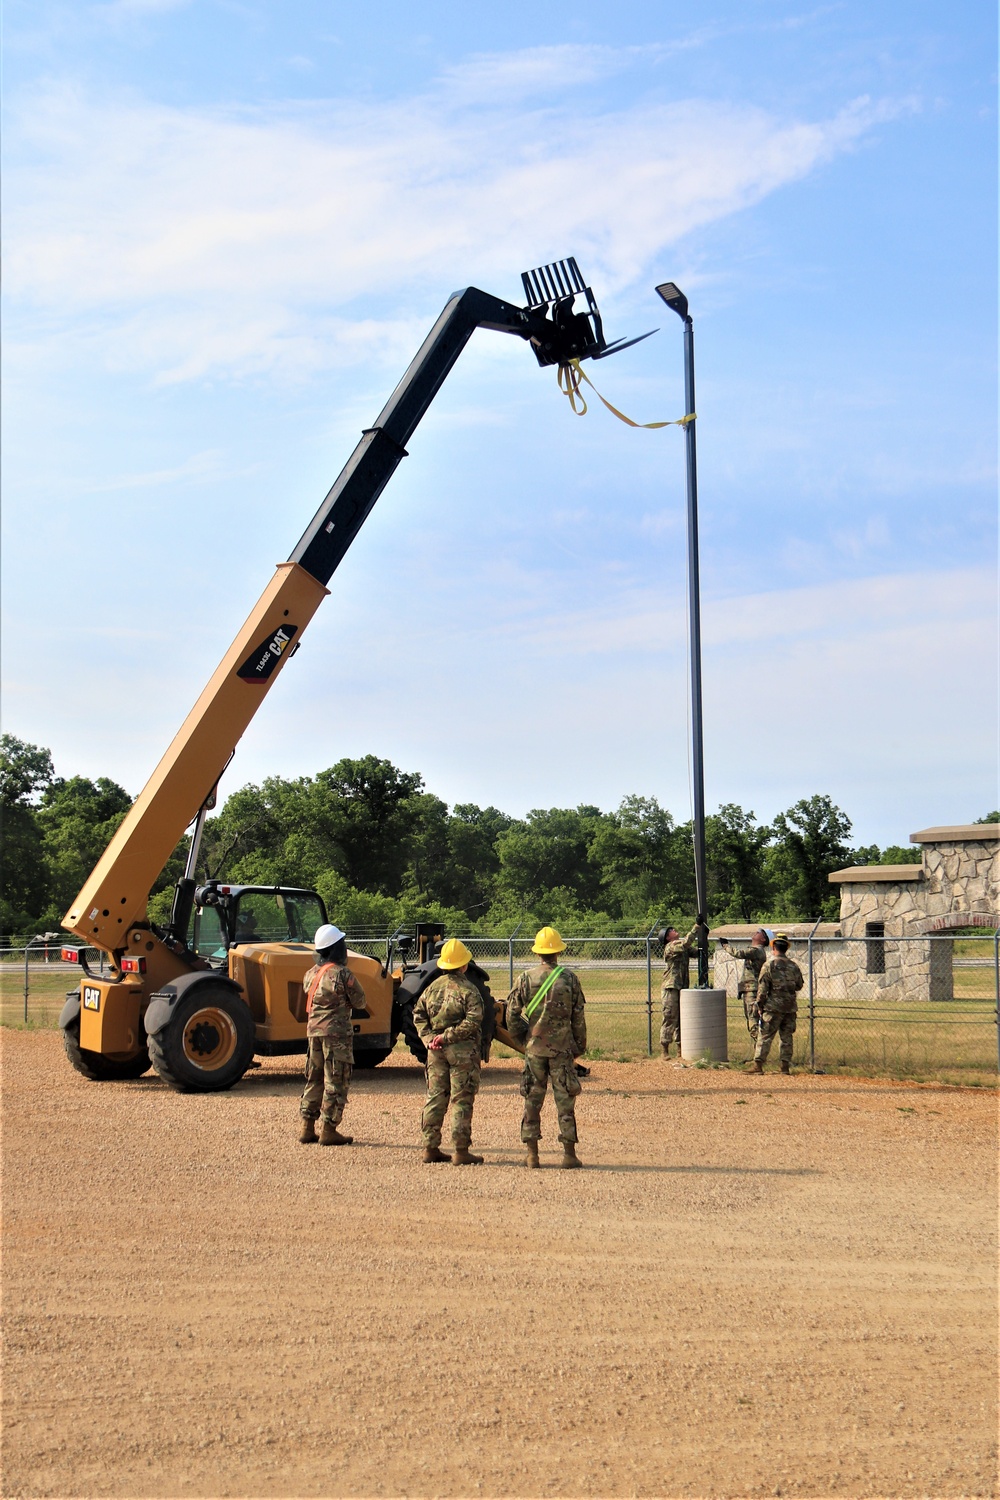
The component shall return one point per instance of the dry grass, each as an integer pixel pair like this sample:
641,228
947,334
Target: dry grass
951,1043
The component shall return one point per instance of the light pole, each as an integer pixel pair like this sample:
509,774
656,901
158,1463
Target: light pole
675,299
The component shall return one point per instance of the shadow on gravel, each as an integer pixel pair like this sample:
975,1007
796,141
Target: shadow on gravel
716,1171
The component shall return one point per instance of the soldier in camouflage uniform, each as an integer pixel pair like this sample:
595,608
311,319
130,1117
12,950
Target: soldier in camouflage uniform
754,958
677,955
545,1013
449,1020
777,1004
332,994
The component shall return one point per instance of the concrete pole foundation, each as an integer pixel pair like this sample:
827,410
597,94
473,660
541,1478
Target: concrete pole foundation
704,1031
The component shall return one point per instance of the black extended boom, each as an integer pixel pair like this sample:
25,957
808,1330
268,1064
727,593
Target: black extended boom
555,331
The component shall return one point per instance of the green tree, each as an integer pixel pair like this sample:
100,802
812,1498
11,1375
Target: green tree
810,840
25,771
549,851
77,818
736,859
371,822
645,861
899,854
474,862
993,817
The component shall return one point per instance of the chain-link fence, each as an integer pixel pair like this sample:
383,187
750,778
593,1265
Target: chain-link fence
913,1006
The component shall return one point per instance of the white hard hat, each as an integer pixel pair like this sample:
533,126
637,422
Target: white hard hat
326,936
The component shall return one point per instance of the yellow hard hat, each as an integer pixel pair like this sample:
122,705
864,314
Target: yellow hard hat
547,940
453,955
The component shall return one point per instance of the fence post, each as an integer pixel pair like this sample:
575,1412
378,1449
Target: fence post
996,986
649,996
510,952
27,947
812,1004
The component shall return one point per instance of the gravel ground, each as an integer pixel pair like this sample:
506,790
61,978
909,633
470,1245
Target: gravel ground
759,1286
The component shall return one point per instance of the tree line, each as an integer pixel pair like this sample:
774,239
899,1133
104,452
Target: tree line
383,850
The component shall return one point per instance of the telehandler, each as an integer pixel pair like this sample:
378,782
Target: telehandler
222,980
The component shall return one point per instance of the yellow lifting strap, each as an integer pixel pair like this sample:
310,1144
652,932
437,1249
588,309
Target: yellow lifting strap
570,376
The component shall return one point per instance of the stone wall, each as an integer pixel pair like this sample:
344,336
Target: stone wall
957,884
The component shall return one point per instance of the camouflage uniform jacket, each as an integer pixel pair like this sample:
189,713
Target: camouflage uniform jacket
676,961
336,994
754,959
779,983
452,1008
558,1027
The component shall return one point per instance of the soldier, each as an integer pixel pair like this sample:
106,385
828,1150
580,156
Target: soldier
779,983
677,954
545,1011
449,1019
754,958
332,994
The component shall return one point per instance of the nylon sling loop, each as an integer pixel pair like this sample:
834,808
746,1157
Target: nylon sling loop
535,1002
315,986
570,376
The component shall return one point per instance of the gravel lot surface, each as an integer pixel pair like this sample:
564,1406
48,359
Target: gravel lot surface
759,1286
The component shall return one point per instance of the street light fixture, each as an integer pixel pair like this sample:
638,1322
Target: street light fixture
678,303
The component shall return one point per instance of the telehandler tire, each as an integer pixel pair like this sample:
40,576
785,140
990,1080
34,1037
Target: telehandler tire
371,1057
208,1043
97,1068
403,1024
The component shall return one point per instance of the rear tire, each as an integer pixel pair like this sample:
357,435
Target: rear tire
95,1066
371,1057
402,1022
207,1045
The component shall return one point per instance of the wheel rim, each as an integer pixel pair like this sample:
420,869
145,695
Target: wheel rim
209,1039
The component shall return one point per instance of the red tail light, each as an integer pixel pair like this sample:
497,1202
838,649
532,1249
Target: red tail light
135,964
70,955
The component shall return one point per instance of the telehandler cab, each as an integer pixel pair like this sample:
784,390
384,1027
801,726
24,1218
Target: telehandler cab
197,998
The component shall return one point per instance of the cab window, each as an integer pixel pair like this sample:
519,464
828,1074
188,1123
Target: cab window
208,939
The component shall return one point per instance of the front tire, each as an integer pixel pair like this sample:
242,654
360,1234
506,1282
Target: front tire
208,1043
97,1067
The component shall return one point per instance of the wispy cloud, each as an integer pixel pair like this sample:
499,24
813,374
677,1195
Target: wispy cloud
241,227
637,623
200,468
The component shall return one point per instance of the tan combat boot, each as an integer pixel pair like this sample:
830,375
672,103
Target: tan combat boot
757,1067
431,1153
531,1153
329,1135
307,1135
664,1049
786,1067
464,1158
570,1158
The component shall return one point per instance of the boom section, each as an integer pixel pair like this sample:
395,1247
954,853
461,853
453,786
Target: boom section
117,891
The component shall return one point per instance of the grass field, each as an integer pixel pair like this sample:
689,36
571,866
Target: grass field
954,1042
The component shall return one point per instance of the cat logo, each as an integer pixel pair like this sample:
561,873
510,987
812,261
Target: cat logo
91,998
264,658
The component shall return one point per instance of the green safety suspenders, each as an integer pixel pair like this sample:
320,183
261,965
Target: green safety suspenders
534,1003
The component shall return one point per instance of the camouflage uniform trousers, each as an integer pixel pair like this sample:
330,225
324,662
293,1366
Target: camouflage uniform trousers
452,1077
775,1023
749,998
328,1078
670,1031
565,1088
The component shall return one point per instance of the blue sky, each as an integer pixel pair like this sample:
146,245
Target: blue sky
229,226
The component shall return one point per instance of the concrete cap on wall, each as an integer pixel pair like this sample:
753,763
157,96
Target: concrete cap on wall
742,932
863,874
958,833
